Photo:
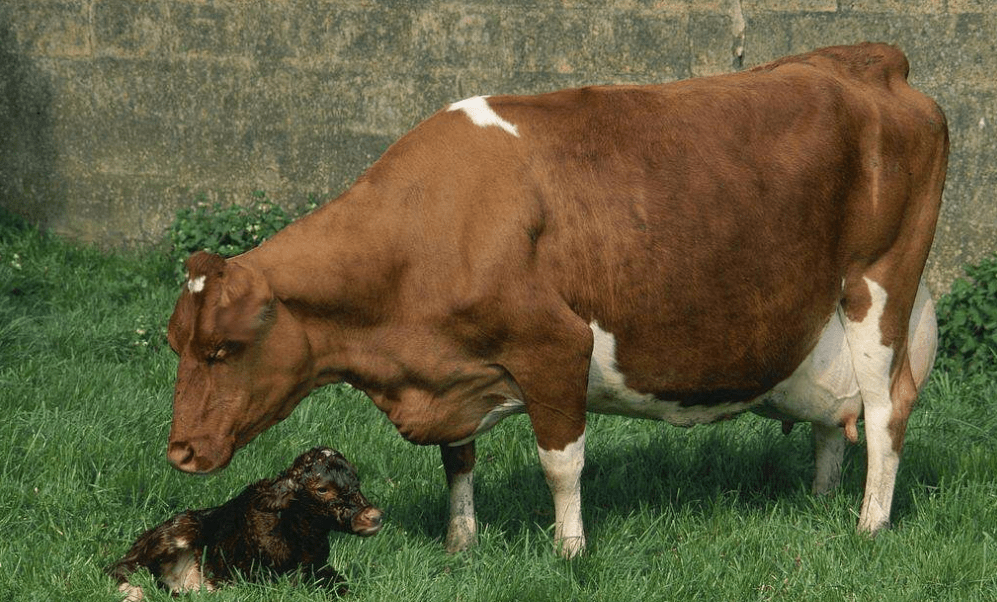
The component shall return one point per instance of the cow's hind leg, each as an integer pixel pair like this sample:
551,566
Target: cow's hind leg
873,338
458,462
829,452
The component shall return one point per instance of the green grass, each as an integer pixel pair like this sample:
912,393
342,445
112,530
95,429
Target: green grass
710,513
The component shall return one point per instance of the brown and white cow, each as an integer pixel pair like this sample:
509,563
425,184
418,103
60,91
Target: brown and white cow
682,252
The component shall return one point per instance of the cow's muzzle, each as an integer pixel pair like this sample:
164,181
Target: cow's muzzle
183,456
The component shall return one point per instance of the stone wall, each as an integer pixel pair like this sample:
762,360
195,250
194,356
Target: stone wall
114,114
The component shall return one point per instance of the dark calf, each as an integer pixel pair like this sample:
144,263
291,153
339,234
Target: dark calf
275,525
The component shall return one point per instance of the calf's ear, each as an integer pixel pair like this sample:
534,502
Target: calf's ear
278,496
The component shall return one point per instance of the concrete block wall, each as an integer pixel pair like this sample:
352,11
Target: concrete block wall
114,113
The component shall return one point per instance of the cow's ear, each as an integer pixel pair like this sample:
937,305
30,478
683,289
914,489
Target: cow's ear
245,303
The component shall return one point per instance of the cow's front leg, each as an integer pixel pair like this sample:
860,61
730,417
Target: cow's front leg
563,471
458,462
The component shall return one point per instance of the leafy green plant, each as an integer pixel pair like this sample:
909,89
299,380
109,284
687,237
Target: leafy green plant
226,230
967,321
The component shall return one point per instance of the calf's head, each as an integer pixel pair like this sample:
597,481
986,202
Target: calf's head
324,486
245,363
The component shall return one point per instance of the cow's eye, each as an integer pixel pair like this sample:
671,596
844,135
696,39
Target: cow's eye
223,351
218,354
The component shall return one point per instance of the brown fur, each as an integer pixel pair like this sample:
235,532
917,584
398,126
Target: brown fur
712,225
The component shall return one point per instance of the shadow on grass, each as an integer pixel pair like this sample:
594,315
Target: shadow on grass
747,464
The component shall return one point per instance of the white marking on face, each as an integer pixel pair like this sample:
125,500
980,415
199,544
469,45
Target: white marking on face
563,471
196,285
482,115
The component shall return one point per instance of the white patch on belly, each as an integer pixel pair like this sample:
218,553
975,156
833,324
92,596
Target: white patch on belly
609,394
823,388
482,115
922,340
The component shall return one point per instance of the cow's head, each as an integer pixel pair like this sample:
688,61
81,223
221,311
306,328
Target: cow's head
245,362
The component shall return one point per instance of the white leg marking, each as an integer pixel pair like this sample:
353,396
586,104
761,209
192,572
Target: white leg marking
829,446
563,470
463,529
872,370
483,115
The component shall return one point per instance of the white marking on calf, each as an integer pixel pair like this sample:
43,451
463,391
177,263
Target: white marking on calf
922,339
481,114
196,285
872,362
133,593
563,470
185,574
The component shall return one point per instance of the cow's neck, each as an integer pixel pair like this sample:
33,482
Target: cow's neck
337,272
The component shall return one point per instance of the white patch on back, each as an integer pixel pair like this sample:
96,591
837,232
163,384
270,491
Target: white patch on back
482,115
196,285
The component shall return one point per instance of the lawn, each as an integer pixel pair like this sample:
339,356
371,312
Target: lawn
710,513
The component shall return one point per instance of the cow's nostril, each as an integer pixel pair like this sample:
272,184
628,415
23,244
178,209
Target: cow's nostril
180,454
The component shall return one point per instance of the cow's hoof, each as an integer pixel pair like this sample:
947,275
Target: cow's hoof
570,547
462,535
